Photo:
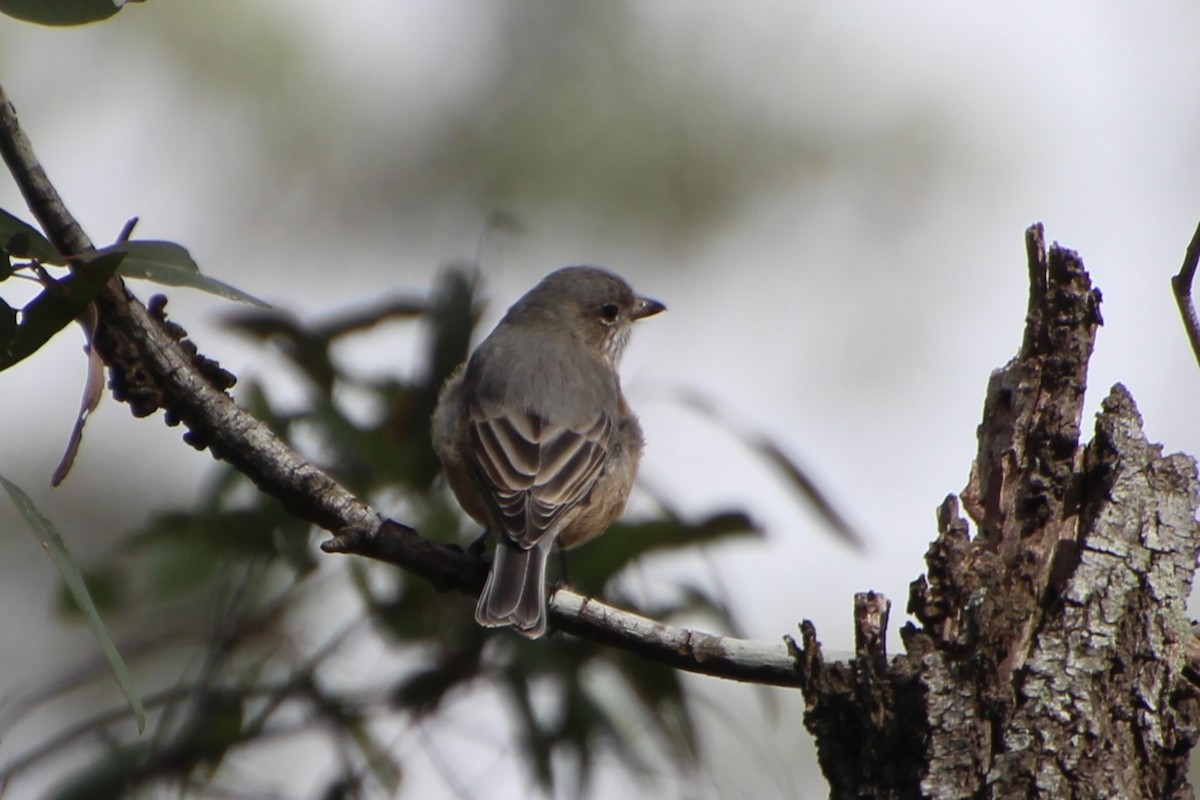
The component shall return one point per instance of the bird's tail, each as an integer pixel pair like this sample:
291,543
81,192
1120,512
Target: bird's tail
515,592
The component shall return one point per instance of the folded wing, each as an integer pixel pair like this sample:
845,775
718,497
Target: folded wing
537,471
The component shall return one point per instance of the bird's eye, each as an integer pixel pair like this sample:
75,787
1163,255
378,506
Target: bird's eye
609,312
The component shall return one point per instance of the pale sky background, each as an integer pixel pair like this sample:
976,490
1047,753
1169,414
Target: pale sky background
830,198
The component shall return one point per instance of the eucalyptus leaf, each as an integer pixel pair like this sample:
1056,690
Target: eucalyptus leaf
170,264
60,12
8,324
49,537
19,238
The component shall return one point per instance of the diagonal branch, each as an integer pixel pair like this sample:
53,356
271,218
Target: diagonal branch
152,366
40,195
1181,284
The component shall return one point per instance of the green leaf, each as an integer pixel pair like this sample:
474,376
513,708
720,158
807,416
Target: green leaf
8,325
60,12
20,239
57,305
170,264
50,539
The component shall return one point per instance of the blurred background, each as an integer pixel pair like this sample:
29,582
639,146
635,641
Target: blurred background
829,197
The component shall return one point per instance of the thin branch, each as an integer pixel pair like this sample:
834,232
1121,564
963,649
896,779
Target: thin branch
153,367
682,648
127,229
1182,286
40,195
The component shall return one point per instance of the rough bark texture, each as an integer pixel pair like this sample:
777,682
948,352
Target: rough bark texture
1050,657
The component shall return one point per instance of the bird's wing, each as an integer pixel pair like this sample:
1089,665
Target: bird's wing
536,471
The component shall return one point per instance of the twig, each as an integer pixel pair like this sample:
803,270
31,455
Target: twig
127,229
1182,285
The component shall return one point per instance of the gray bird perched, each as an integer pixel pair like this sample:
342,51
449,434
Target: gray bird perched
534,434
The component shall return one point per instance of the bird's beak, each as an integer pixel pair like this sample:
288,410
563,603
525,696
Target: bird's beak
645,307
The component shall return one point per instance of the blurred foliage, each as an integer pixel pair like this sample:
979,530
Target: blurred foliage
76,586
237,583
558,106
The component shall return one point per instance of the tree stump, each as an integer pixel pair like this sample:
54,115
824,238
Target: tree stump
1049,659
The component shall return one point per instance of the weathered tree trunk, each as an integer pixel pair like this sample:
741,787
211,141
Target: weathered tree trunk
1050,657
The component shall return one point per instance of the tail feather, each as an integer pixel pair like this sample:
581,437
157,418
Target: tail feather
515,592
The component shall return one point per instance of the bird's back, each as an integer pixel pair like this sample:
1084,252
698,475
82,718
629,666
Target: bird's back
558,382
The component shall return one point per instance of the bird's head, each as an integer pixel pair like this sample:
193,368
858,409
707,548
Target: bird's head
594,304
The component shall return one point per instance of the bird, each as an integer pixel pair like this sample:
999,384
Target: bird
535,437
